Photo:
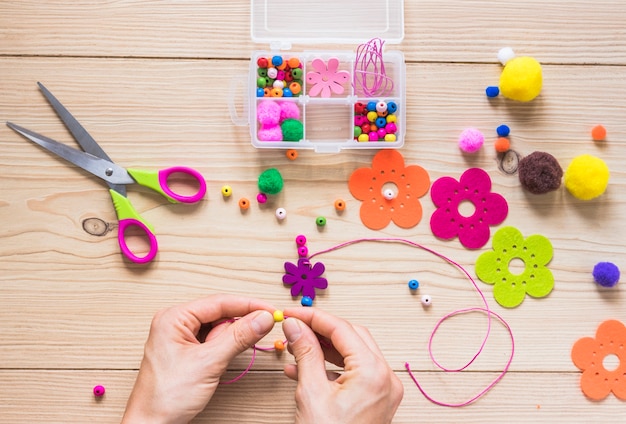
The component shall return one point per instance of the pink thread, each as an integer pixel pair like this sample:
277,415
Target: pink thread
369,69
443,319
254,349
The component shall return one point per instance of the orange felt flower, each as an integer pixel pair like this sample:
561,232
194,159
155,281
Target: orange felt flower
389,191
588,354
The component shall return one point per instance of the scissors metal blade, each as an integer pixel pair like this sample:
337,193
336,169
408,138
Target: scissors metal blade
81,135
102,168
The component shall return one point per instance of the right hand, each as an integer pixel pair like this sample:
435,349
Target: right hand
367,391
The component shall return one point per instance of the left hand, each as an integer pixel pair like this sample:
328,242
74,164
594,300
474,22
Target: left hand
185,355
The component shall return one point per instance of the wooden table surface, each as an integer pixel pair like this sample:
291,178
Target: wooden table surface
150,81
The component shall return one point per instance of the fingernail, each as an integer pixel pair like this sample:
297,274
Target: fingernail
292,330
262,323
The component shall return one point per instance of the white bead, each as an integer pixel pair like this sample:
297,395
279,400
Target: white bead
281,213
426,300
272,73
381,107
505,54
389,194
279,84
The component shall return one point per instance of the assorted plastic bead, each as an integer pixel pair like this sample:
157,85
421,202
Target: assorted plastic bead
227,191
278,316
414,284
320,221
306,301
98,391
375,121
281,213
426,300
278,76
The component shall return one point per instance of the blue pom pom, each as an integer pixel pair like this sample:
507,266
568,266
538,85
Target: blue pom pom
503,130
492,91
606,274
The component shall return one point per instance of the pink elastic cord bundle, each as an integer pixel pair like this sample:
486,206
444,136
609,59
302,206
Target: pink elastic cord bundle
369,70
485,310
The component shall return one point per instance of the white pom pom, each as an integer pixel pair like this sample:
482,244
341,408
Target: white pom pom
505,54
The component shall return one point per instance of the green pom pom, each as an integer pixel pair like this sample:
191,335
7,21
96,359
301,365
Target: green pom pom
270,181
292,130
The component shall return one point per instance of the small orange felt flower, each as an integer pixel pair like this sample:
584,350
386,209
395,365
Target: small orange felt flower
588,354
389,191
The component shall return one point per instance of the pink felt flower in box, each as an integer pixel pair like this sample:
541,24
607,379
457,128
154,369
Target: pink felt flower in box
326,78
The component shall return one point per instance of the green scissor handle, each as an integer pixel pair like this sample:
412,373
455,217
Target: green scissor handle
128,217
158,181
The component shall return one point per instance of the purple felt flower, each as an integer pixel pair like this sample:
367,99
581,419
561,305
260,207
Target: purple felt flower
304,278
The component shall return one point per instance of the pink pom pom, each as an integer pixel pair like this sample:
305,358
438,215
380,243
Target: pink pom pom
270,133
268,113
289,110
471,140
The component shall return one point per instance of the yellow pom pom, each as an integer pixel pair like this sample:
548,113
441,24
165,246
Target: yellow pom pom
587,177
521,79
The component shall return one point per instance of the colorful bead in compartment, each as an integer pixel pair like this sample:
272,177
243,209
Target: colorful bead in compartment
279,76
375,121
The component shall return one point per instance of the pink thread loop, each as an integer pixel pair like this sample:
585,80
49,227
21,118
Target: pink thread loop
369,73
486,310
252,359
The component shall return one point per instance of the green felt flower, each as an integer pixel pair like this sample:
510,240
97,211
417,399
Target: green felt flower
510,288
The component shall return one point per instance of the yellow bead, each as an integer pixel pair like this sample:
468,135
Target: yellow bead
227,191
390,137
364,137
371,116
278,316
391,118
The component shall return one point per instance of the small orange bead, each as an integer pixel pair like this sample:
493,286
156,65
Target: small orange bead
292,154
279,345
340,205
598,133
293,62
295,87
502,145
244,203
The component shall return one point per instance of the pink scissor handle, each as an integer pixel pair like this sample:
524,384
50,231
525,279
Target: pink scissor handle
124,224
164,174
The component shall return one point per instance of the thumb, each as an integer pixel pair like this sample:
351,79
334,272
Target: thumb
306,349
242,335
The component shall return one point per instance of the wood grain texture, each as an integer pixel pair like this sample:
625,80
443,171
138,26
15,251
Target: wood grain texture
149,80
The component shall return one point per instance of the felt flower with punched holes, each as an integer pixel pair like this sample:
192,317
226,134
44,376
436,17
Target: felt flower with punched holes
510,287
591,356
326,78
474,187
390,191
304,278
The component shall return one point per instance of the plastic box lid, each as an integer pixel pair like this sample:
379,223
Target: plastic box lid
280,23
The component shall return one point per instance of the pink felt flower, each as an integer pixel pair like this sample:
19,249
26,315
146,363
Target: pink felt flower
326,78
474,187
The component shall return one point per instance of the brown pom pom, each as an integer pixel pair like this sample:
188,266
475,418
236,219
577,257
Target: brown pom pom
540,173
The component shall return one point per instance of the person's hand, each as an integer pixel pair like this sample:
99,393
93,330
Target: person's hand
185,355
367,391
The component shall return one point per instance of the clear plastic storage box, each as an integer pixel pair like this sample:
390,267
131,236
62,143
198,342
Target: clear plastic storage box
321,99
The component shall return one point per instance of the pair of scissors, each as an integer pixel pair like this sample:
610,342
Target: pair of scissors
94,160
